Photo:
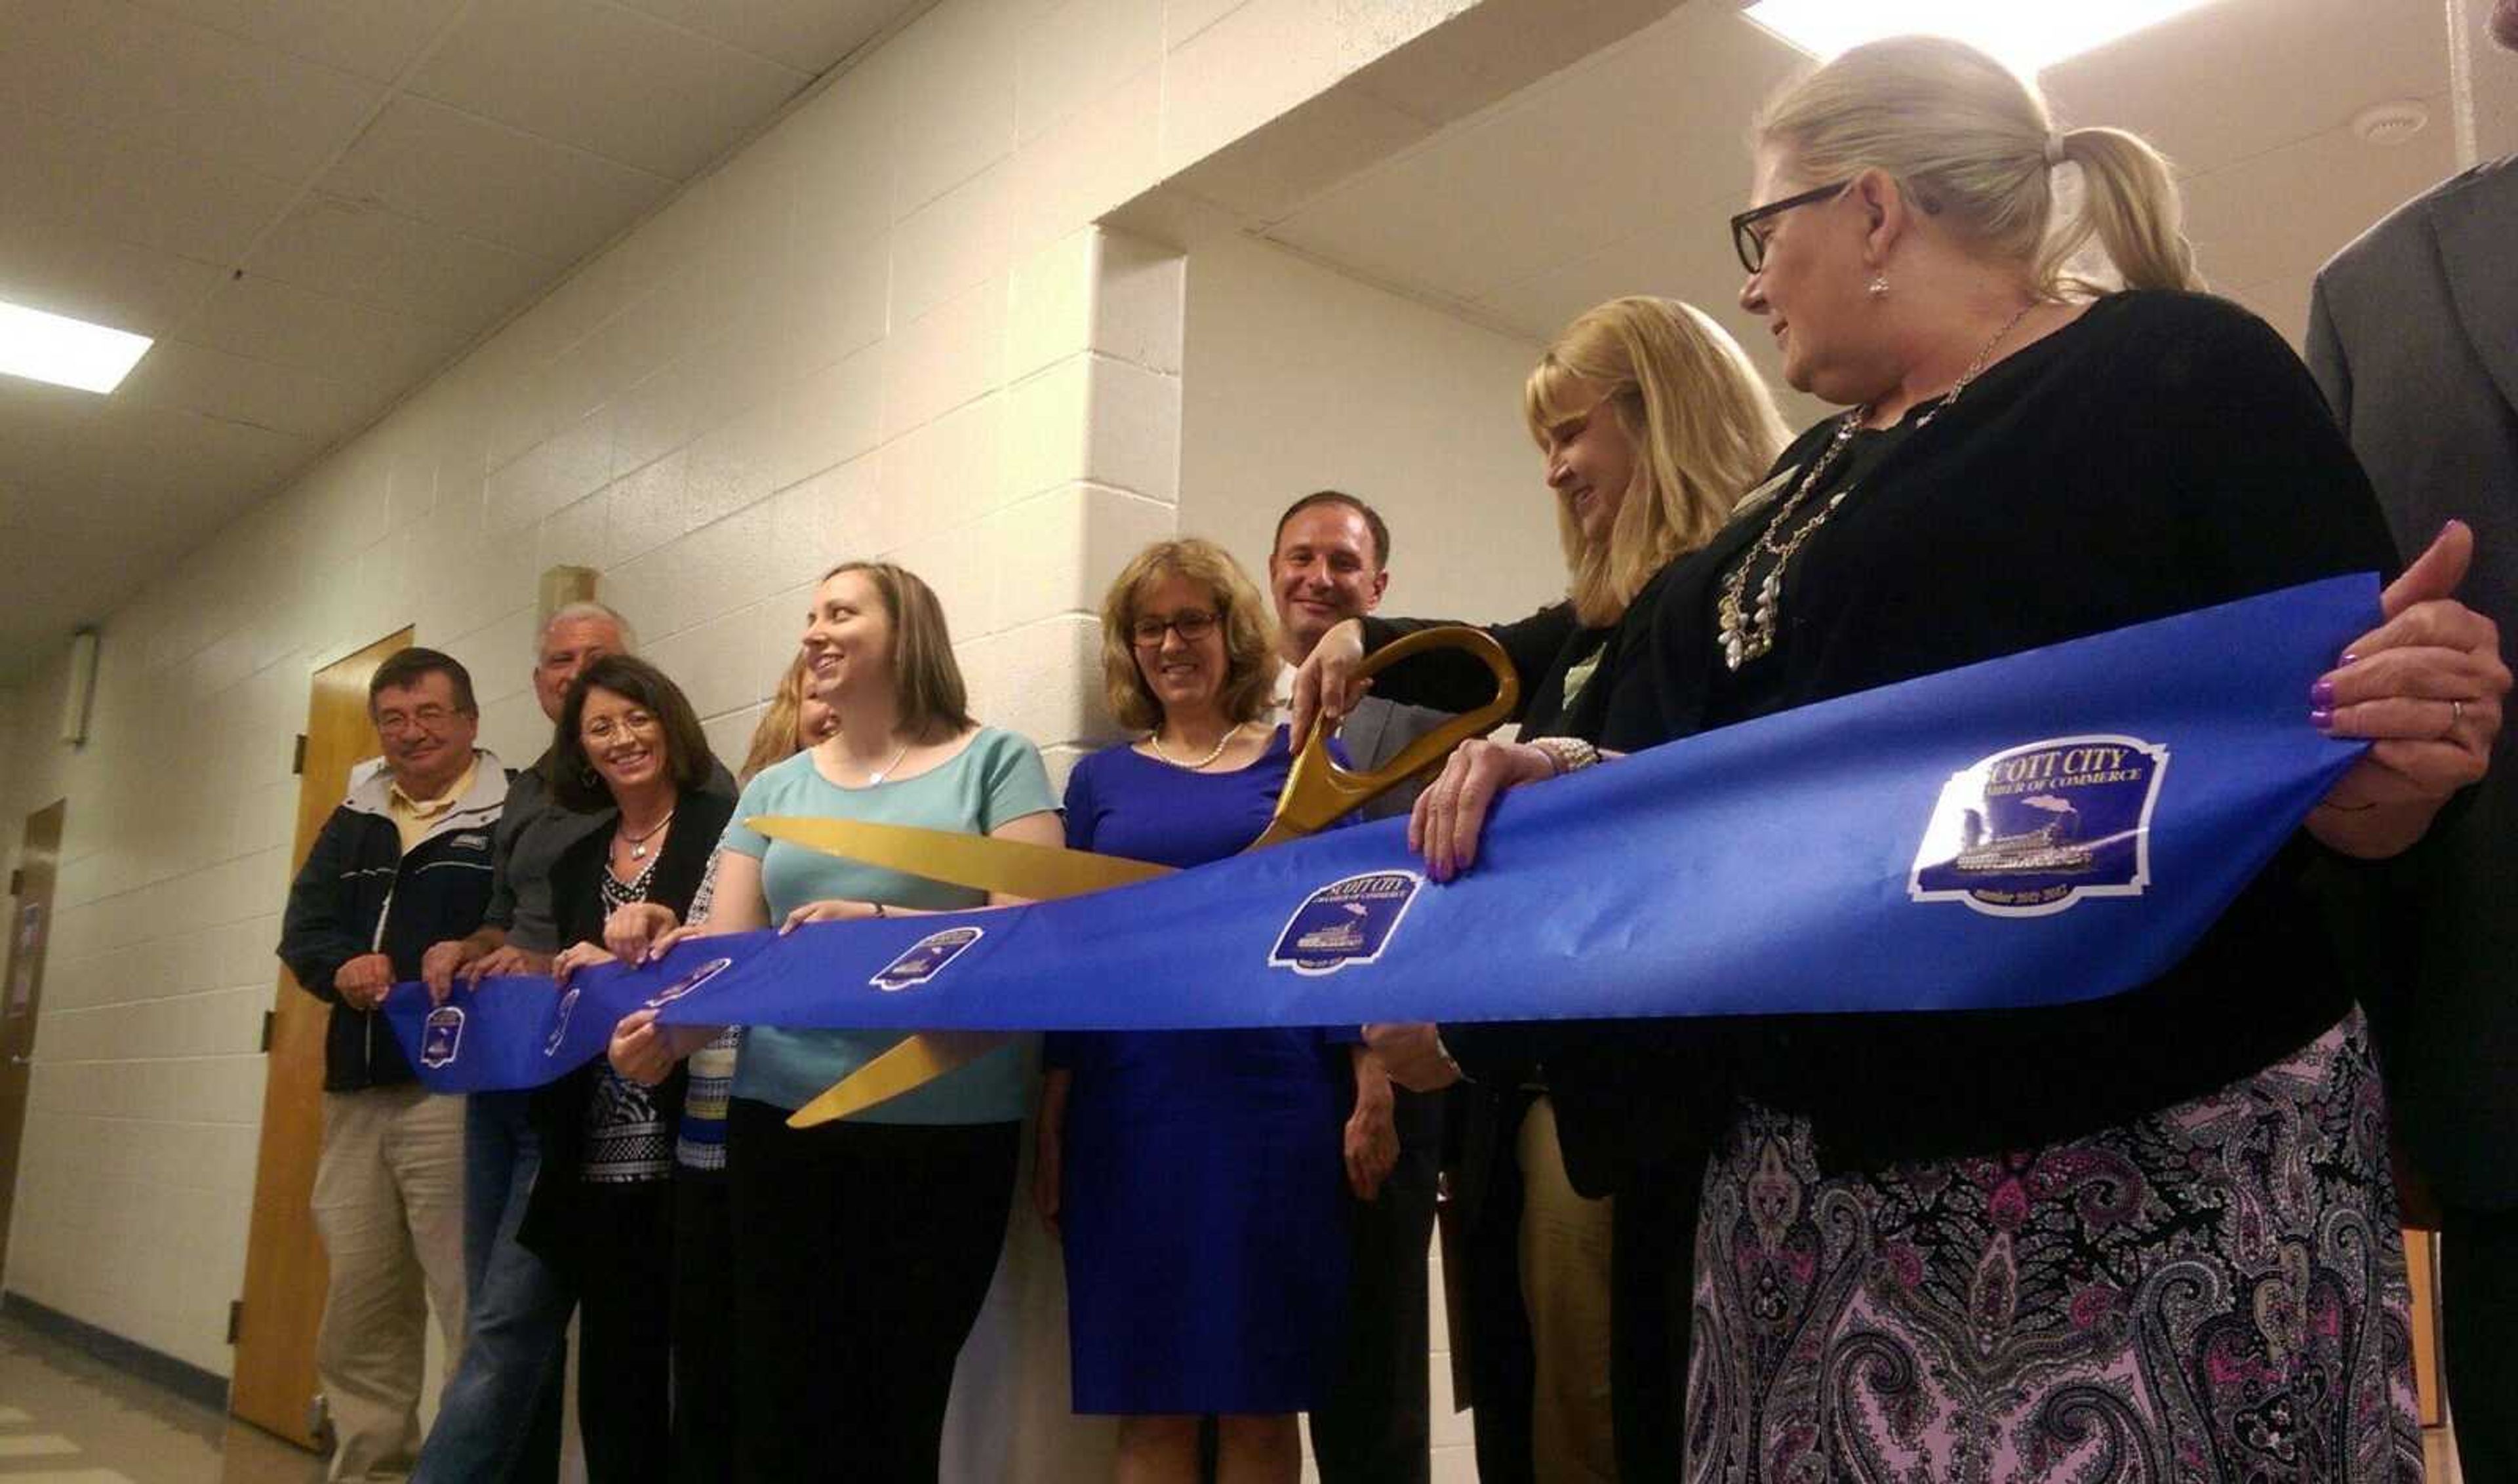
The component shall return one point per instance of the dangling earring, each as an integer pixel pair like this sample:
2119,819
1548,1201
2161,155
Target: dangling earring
1879,285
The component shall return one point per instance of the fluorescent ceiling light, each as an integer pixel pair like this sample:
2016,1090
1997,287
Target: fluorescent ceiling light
2029,38
65,352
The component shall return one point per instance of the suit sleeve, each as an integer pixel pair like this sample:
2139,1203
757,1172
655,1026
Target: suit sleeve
2327,361
1450,680
316,938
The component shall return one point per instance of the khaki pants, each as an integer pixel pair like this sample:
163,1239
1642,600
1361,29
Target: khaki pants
1565,1287
389,1205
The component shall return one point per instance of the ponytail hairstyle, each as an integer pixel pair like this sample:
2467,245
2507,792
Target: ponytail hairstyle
1704,427
1972,143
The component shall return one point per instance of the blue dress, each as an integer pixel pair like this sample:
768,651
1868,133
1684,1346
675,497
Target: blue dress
1202,1211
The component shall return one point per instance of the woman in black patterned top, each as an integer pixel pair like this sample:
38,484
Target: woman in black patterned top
602,1210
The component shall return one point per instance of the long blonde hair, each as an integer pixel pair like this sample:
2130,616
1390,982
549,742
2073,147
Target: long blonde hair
779,734
1969,140
1250,631
1703,424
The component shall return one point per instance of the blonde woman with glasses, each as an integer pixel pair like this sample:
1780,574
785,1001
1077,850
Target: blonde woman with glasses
2149,1236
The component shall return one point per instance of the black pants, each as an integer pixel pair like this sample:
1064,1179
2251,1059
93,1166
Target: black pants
704,1347
2479,1308
624,1266
1376,1427
863,1253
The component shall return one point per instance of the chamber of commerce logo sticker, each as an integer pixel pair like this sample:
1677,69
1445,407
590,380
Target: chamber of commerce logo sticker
440,1037
924,959
2032,830
559,1032
1345,923
688,982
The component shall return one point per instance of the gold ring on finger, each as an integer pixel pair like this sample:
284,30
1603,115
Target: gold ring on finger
2455,716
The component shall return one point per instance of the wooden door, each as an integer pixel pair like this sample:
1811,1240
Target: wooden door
283,1263
30,924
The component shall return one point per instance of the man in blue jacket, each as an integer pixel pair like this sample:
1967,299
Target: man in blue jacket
403,862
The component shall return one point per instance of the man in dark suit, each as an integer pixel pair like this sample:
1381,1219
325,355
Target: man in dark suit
1330,564
2413,336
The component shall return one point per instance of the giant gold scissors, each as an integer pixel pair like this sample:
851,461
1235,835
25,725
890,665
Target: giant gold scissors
1318,791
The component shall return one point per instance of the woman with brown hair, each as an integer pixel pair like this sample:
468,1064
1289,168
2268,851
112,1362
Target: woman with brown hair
1195,1175
866,1246
2152,1234
601,1212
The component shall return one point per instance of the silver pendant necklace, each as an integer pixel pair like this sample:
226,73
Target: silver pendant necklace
1155,739
1747,633
638,843
877,775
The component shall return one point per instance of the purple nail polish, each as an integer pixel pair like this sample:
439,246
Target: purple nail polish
2322,717
2322,695
2349,658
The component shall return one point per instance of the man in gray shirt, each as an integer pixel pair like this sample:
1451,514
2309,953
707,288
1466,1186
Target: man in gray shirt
2413,336
1330,564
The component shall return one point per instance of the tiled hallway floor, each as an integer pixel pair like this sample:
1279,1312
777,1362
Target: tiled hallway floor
68,1418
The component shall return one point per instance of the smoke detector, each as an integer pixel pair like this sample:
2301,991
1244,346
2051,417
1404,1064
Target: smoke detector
2389,124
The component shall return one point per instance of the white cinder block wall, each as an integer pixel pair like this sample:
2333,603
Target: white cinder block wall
884,327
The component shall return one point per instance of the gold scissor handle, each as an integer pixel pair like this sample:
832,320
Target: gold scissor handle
1318,792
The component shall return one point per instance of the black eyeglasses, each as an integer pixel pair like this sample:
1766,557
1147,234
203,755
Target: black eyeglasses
1190,624
1751,245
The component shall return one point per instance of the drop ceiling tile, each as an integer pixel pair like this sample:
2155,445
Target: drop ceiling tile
179,375
66,171
635,89
165,81
64,270
265,320
371,39
360,251
540,198
809,35
2236,79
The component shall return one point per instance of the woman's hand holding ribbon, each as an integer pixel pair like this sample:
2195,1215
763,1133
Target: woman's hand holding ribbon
834,910
632,932
506,960
578,956
2425,687
1451,813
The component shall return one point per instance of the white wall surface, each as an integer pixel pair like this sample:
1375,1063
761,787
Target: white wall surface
884,327
1301,379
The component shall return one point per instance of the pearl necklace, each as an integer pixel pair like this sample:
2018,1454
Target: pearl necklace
1155,739
1746,634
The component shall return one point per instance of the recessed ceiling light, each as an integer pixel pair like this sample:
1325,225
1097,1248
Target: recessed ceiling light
2029,38
65,352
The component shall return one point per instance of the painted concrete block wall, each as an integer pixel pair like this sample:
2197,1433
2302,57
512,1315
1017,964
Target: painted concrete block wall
884,327
1301,379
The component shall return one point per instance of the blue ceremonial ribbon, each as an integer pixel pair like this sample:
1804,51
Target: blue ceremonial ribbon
2048,827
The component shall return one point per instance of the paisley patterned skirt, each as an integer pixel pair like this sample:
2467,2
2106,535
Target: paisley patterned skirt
2214,1292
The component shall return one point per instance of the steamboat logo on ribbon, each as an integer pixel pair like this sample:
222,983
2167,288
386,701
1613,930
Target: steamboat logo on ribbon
688,982
440,1037
559,1030
1345,923
924,959
2031,830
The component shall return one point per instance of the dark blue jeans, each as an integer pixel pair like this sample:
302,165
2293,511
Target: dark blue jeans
499,1418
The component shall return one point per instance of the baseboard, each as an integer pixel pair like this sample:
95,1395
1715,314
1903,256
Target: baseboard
183,1377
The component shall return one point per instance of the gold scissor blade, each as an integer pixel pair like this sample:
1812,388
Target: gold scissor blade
912,1064
1016,868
